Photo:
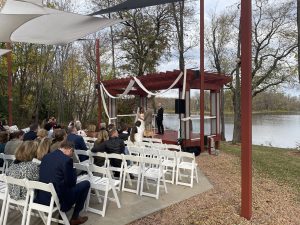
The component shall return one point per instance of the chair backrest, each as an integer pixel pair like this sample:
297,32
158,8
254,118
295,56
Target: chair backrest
156,140
167,154
159,146
146,139
151,152
37,185
8,159
101,170
98,154
135,150
185,156
173,147
133,158
151,162
79,152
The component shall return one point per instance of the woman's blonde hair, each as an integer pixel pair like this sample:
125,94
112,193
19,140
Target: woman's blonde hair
42,133
27,151
43,148
102,136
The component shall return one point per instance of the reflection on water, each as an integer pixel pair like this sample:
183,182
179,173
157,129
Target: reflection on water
269,130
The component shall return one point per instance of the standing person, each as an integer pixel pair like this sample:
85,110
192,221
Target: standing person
159,119
57,168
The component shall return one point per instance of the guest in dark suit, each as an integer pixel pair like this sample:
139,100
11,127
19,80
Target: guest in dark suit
57,168
78,141
159,119
32,134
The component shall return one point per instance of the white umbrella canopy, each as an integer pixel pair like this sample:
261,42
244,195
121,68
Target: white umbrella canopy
29,22
3,51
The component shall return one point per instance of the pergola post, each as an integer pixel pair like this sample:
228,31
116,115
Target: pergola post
187,124
246,109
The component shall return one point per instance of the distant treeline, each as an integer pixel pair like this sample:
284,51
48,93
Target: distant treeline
264,102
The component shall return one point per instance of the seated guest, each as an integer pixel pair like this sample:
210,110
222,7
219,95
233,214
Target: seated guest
124,132
57,168
23,167
41,133
113,145
4,136
133,135
16,139
102,136
31,135
44,148
78,142
110,127
79,129
59,135
48,127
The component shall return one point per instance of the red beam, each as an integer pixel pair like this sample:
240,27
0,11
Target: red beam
9,84
98,80
202,75
246,109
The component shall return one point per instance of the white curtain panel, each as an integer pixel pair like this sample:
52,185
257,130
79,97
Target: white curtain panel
4,51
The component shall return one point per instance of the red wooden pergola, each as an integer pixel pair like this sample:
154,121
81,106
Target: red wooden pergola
213,82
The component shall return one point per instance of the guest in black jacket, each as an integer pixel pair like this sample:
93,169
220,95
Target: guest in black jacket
32,134
113,145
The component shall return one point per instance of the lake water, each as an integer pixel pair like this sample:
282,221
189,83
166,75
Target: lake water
269,130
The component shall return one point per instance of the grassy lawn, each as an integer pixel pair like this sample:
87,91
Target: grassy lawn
277,163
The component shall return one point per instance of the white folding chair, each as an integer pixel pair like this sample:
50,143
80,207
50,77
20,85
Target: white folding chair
8,159
159,146
136,150
133,169
77,153
98,154
156,140
186,161
42,209
3,197
173,147
169,162
19,203
105,184
119,170
155,173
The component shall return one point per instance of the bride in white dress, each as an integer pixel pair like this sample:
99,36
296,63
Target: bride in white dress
140,117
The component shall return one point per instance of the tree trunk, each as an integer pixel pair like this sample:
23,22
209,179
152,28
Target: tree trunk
237,98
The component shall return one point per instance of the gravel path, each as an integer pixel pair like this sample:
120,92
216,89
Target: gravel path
273,204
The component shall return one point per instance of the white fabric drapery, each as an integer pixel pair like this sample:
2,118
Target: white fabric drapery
152,93
4,51
30,22
127,90
104,106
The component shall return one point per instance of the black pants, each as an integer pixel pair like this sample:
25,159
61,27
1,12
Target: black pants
160,126
81,191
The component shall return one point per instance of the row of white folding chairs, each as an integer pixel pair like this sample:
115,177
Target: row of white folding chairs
172,161
27,205
156,145
126,168
101,180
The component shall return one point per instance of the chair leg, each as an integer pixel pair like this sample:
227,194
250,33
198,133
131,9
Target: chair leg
6,211
2,210
196,173
192,177
157,188
105,202
25,210
64,217
173,174
142,185
116,197
164,181
177,172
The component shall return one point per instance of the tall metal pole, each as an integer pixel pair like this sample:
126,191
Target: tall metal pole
98,80
9,84
202,75
246,108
